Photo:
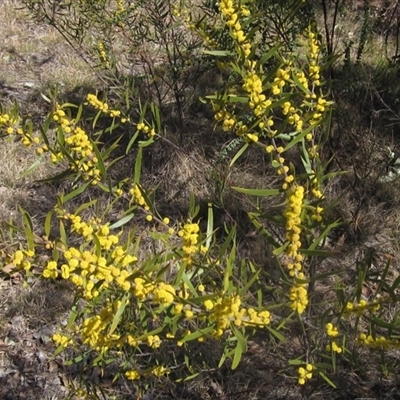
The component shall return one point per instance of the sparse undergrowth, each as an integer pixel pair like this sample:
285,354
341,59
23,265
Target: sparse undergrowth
161,294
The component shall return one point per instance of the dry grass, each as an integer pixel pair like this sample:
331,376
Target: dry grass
34,57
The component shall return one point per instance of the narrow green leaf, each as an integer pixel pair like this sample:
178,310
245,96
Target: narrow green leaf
156,117
219,53
97,245
79,113
188,378
63,235
277,334
138,165
187,279
241,347
100,161
58,350
56,178
68,105
237,99
257,192
383,282
197,334
395,284
296,361
28,228
271,52
73,314
324,233
84,206
76,192
132,141
210,225
118,314
95,119
47,99
306,159
76,360
122,221
299,137
223,358
47,223
32,167
327,379
250,282
229,269
223,249
104,188
299,84
384,324
193,207
238,154
281,249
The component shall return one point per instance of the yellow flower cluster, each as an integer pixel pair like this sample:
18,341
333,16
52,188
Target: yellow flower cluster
153,341
132,375
23,259
317,107
156,371
313,151
333,346
305,374
313,54
361,307
61,340
257,100
103,54
190,237
121,7
94,227
11,125
178,10
159,293
281,77
50,271
96,103
281,169
149,131
316,192
294,117
228,120
164,294
301,77
138,197
79,147
227,310
299,298
292,216
94,329
331,330
251,137
86,268
103,107
317,214
160,371
227,8
377,343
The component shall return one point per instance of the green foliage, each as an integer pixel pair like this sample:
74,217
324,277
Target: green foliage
146,284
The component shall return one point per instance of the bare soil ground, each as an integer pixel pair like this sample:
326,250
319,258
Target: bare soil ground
34,57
